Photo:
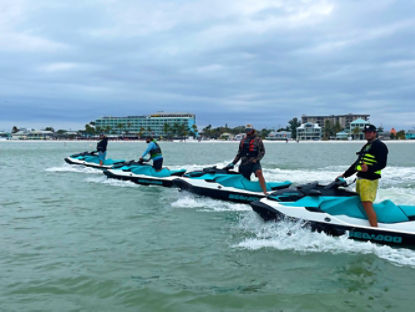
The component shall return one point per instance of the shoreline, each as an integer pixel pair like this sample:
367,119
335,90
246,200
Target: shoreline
209,141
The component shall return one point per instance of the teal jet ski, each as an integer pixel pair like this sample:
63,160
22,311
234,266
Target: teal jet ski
335,210
141,173
90,159
225,184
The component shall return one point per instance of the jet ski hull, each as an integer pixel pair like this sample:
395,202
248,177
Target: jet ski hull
389,234
224,184
139,178
91,159
216,191
74,161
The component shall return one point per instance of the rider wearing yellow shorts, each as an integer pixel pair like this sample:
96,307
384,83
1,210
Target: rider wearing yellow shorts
372,159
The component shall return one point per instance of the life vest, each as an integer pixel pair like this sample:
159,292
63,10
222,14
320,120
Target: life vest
155,152
366,158
249,149
102,145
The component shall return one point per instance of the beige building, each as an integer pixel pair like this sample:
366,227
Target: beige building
343,120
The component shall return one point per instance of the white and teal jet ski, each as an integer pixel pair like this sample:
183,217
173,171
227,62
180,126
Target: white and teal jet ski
224,184
141,173
335,210
90,159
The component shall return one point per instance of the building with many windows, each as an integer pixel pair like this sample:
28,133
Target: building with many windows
158,124
343,120
309,131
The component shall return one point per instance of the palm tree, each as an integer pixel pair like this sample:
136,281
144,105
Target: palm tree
166,129
293,125
194,130
327,130
89,130
356,133
175,129
182,130
206,131
120,127
129,127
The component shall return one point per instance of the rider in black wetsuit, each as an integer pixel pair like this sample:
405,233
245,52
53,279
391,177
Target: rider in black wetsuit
102,149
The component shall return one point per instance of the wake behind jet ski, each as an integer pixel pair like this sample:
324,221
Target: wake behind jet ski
224,184
335,210
91,159
141,173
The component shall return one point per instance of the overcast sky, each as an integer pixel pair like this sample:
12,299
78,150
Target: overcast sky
65,63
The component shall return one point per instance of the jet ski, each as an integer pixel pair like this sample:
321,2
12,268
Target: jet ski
335,210
90,159
224,184
141,173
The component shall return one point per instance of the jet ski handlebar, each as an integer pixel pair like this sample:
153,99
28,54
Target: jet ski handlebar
338,182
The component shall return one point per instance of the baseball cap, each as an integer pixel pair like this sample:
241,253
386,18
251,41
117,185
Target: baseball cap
369,128
249,127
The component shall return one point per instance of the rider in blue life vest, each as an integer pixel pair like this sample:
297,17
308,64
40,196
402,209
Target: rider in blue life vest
102,149
251,151
155,153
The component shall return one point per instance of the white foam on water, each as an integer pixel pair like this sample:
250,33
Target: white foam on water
399,195
74,168
194,167
390,175
118,183
396,184
286,235
300,176
208,204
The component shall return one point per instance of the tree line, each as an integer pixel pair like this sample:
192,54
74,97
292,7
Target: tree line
215,133
181,130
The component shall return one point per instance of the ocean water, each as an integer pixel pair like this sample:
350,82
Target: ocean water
73,240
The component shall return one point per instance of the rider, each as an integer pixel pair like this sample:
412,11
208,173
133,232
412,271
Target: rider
371,160
102,149
251,151
155,153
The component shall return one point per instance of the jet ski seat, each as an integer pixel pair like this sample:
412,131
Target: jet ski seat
409,211
239,182
386,211
163,173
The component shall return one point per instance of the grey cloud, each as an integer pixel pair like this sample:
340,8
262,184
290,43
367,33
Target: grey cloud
224,61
